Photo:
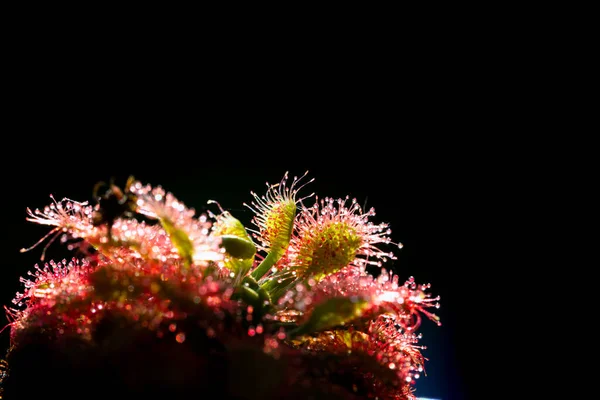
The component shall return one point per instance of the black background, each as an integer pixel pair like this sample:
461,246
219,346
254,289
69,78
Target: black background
419,139
449,123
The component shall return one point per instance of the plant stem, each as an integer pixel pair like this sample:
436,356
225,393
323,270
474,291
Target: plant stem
277,287
266,264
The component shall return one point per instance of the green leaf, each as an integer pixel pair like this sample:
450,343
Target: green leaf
236,242
332,312
249,296
238,266
227,224
238,247
180,240
279,222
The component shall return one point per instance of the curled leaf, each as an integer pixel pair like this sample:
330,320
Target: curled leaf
238,247
331,313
